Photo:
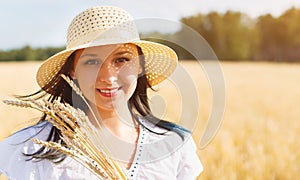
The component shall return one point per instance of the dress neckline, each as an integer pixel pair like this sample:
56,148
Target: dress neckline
131,172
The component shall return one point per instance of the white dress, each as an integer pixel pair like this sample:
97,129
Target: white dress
158,157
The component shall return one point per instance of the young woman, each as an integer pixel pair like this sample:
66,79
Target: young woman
113,68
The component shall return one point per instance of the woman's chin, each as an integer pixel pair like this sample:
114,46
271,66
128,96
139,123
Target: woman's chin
106,104
112,105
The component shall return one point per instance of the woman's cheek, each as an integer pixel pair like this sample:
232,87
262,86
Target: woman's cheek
87,76
87,83
130,83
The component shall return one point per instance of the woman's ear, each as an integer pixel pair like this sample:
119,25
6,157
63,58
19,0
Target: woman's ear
140,70
72,74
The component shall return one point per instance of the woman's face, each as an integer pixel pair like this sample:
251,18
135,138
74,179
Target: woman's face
107,75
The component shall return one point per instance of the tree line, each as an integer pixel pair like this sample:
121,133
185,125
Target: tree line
28,53
236,36
232,36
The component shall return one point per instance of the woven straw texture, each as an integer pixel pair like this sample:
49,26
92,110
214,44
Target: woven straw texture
104,25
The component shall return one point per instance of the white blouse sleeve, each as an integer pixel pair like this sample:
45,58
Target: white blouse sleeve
17,167
190,166
12,161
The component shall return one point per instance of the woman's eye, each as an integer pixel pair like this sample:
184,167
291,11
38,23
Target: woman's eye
121,60
92,62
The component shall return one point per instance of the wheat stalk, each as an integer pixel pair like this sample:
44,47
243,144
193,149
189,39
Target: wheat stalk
87,124
80,135
18,103
81,158
78,91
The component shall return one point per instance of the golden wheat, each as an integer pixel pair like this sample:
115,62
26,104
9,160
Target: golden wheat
258,138
74,126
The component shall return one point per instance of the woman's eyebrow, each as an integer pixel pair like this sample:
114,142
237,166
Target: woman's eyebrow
123,52
84,55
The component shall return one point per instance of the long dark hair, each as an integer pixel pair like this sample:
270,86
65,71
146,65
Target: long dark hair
60,90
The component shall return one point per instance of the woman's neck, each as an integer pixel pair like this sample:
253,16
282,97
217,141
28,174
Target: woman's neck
123,126
118,121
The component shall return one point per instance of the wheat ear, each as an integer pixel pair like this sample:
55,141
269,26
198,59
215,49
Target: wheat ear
75,128
88,125
79,92
81,158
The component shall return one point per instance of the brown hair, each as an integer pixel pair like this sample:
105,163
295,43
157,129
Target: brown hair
60,89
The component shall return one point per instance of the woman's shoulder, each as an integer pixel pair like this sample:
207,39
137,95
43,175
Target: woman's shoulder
162,127
13,162
21,140
15,165
167,139
39,130
166,151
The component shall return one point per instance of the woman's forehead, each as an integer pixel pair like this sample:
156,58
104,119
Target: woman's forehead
109,49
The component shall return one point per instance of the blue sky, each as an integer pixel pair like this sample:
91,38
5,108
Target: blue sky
41,23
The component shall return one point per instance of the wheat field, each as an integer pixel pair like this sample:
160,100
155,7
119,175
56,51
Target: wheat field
259,135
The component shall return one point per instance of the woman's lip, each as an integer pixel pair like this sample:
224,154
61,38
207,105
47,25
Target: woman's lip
108,92
108,88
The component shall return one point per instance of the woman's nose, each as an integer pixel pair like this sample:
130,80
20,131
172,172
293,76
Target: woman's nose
107,73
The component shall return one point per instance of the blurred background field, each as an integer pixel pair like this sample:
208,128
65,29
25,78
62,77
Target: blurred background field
260,52
259,135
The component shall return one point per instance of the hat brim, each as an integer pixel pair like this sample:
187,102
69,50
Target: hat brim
160,62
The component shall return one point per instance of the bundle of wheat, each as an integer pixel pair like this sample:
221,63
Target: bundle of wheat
82,139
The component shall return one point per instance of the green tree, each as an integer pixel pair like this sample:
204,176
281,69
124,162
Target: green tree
290,42
26,53
269,35
279,37
232,36
241,41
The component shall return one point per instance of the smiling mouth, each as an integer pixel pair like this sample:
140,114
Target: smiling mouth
108,92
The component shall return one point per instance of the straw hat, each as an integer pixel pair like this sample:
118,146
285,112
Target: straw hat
103,25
